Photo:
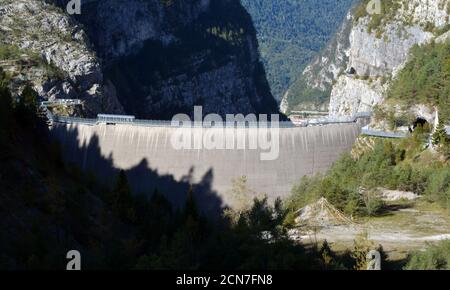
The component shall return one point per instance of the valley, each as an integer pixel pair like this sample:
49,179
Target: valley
86,139
291,33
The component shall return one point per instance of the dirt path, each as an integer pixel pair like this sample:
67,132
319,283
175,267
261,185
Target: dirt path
408,228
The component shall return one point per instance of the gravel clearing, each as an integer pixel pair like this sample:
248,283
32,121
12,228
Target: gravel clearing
400,231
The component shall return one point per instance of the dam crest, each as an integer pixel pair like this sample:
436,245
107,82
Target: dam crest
303,151
144,151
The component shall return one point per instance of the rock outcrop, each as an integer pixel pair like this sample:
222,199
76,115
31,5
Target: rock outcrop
377,55
351,95
370,50
66,65
150,58
164,57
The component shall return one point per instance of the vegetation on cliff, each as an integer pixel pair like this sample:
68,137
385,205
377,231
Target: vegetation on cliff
377,21
389,12
351,184
436,257
425,79
290,33
20,61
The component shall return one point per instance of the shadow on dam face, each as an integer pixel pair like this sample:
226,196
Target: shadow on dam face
150,161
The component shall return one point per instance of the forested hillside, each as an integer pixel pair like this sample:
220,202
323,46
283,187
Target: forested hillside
397,165
291,32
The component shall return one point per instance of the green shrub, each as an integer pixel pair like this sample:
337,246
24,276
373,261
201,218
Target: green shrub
9,52
378,21
351,184
436,257
425,78
438,185
373,203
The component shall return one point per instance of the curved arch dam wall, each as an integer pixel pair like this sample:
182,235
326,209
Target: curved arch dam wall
151,162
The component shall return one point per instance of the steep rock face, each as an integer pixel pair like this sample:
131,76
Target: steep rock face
327,66
373,61
380,56
164,57
351,95
376,54
151,58
120,28
41,31
378,51
373,50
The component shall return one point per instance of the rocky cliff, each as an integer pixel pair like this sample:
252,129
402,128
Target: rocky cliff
150,58
371,49
41,44
380,48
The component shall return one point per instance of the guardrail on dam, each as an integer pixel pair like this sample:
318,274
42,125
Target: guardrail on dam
145,152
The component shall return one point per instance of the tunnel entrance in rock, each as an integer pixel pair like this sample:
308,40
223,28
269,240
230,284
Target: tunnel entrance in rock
421,124
351,71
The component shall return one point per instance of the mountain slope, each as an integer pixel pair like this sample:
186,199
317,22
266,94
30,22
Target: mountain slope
372,48
311,91
290,33
161,58
380,45
40,43
166,57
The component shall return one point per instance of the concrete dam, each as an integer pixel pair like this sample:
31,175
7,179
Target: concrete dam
151,162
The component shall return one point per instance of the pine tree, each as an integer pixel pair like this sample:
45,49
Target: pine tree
5,101
326,255
122,199
6,115
26,108
361,247
190,209
439,137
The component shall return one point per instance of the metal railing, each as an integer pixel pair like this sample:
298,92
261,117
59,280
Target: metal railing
66,102
192,124
118,119
322,113
377,133
73,120
383,134
337,119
